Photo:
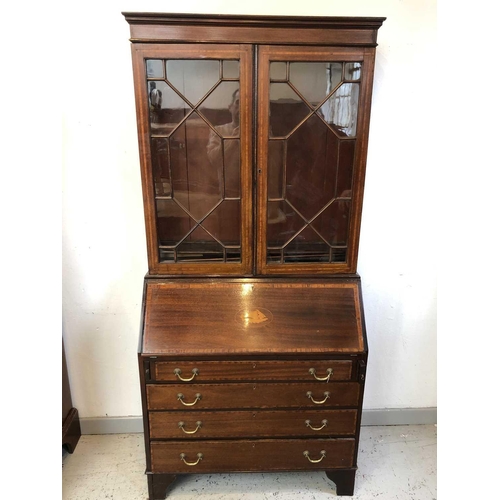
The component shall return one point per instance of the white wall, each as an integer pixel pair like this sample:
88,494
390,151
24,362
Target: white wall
104,252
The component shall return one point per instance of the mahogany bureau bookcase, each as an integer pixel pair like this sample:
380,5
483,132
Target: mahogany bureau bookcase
252,137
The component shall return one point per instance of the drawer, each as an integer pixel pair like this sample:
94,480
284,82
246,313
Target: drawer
206,371
262,423
258,395
258,455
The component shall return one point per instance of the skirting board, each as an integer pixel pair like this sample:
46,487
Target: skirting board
390,416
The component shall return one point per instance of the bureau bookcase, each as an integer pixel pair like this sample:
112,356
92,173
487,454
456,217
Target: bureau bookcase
253,137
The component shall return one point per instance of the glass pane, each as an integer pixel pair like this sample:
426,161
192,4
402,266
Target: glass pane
196,166
166,108
230,69
166,256
286,110
311,167
193,78
195,158
312,120
333,223
224,223
172,222
154,68
277,70
283,223
315,80
233,255
200,246
161,167
352,71
222,109
274,255
231,168
341,109
345,168
276,158
307,246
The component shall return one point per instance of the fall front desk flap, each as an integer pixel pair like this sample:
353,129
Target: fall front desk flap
252,317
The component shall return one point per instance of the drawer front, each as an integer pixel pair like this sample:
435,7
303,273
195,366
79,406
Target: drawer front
206,371
214,396
263,423
260,455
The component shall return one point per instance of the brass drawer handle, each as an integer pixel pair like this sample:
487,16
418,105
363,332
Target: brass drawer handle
180,397
324,422
198,425
312,371
323,455
326,394
183,458
177,373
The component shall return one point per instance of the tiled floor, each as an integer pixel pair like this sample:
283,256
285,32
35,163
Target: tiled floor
397,462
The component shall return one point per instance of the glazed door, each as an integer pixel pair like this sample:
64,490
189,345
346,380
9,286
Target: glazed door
194,110
313,107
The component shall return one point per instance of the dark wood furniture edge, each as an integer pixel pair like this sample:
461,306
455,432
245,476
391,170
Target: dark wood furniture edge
260,277
344,480
159,484
362,364
71,430
333,31
144,376
351,22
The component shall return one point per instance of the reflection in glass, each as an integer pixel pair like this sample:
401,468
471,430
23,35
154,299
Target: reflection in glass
233,254
310,168
311,164
341,109
282,223
286,110
277,70
230,69
224,154
166,255
231,165
345,168
173,223
195,159
193,78
352,71
161,166
166,108
223,223
333,223
315,80
199,245
195,178
275,159
154,68
222,109
307,246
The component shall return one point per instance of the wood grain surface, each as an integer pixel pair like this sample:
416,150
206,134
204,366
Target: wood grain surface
209,317
265,454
